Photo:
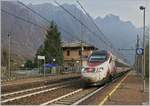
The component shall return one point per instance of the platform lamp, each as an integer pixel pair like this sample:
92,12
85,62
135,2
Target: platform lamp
143,9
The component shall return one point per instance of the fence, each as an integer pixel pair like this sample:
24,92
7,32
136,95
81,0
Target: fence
37,72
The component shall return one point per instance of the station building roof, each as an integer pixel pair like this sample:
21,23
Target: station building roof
77,44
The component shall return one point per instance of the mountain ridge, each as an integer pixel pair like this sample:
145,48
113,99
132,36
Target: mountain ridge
111,25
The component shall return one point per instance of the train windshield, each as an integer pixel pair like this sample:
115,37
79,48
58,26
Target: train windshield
97,58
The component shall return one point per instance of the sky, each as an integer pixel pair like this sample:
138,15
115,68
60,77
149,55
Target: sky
127,10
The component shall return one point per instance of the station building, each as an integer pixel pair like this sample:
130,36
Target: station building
73,55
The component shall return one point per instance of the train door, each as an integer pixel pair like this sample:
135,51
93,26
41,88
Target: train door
110,64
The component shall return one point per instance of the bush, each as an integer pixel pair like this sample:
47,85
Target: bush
29,64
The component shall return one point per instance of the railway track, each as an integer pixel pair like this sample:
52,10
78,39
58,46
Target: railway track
66,93
12,87
36,88
78,96
73,98
13,96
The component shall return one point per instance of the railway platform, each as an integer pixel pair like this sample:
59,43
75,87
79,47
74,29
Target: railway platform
129,91
18,84
40,78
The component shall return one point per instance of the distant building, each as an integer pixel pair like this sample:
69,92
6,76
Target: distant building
72,53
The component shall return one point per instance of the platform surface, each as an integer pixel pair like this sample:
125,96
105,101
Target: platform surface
130,92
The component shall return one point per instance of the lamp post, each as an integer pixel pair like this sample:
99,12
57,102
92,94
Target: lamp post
54,60
143,9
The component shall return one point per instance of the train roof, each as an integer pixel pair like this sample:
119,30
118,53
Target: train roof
100,52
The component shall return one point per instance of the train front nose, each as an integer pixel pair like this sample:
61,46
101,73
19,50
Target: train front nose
89,79
89,75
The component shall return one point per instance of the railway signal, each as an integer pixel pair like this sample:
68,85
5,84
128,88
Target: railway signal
139,51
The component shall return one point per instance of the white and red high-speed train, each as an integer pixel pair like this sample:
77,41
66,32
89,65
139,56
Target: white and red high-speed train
100,67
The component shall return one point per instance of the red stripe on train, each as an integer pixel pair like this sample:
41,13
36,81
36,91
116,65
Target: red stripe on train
94,64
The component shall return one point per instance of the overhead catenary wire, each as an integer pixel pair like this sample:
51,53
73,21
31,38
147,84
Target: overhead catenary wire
79,21
24,20
39,15
37,24
93,22
20,18
44,18
27,21
111,45
47,20
33,11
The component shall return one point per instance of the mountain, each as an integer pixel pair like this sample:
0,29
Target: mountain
122,34
117,30
26,37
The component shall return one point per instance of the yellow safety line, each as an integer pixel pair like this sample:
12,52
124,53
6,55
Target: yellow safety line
105,99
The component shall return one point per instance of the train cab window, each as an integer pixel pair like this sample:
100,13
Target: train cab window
96,58
68,53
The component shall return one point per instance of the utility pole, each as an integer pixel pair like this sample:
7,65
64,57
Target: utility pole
81,43
9,70
136,56
44,67
81,57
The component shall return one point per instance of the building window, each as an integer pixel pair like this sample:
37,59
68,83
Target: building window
79,52
68,53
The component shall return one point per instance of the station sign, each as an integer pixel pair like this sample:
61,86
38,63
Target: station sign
139,51
41,57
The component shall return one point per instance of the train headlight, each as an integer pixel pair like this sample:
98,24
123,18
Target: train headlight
83,69
100,69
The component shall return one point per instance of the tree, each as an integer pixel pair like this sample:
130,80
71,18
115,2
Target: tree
52,46
28,64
